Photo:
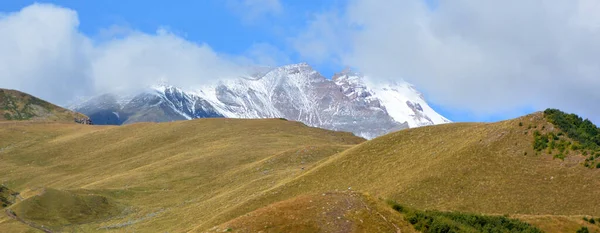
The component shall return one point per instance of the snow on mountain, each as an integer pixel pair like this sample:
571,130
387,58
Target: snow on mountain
400,99
347,102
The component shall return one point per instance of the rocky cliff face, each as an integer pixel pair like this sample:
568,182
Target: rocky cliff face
295,92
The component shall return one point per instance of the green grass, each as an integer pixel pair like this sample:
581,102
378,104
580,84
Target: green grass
440,222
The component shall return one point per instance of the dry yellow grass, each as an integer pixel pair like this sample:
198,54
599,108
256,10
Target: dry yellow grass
465,166
558,223
191,176
472,167
327,212
171,176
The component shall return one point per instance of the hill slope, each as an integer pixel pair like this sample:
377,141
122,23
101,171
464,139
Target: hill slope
327,212
167,176
16,105
214,174
476,167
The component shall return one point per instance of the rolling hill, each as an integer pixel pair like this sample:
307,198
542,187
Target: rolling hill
165,177
16,105
478,167
273,175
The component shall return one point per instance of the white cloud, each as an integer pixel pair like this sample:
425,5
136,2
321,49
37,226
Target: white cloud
254,10
43,53
141,59
487,57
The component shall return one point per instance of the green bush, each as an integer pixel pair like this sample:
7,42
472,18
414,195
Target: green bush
438,221
598,165
583,230
559,156
520,123
578,129
592,221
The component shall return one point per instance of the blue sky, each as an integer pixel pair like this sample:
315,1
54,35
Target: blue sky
466,71
215,22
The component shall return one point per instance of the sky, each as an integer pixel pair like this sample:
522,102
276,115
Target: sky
473,60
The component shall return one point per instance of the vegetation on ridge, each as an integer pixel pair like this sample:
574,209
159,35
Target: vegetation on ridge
19,106
431,221
574,134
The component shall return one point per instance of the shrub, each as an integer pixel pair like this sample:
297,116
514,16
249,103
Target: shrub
583,230
396,206
592,221
438,221
559,156
578,129
598,165
520,123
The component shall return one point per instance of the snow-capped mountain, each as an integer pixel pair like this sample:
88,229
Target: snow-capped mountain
347,102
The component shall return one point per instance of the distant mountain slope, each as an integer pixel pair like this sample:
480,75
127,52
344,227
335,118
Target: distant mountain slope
16,105
294,92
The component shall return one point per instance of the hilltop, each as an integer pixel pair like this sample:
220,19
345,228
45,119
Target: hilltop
16,105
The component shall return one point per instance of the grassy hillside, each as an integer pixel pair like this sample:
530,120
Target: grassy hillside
167,177
327,212
215,175
15,105
475,167
52,209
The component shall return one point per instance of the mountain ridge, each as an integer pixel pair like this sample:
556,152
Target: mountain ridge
294,92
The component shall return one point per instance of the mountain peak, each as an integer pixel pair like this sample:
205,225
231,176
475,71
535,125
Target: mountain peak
348,102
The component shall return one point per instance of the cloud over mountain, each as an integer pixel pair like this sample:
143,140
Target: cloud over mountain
44,52
480,56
